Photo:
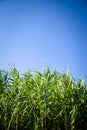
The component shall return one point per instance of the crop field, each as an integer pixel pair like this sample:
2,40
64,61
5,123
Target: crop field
42,101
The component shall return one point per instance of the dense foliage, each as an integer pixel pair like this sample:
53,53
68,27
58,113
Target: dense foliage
42,101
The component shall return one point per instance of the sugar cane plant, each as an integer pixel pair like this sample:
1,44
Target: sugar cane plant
42,101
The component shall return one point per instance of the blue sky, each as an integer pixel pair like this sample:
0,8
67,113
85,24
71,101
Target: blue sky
37,33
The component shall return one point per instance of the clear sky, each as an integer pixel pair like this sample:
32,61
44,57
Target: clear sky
37,33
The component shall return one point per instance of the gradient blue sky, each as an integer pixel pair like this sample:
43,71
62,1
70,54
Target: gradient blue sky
35,33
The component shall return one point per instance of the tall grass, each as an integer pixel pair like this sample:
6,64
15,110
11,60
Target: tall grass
42,101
